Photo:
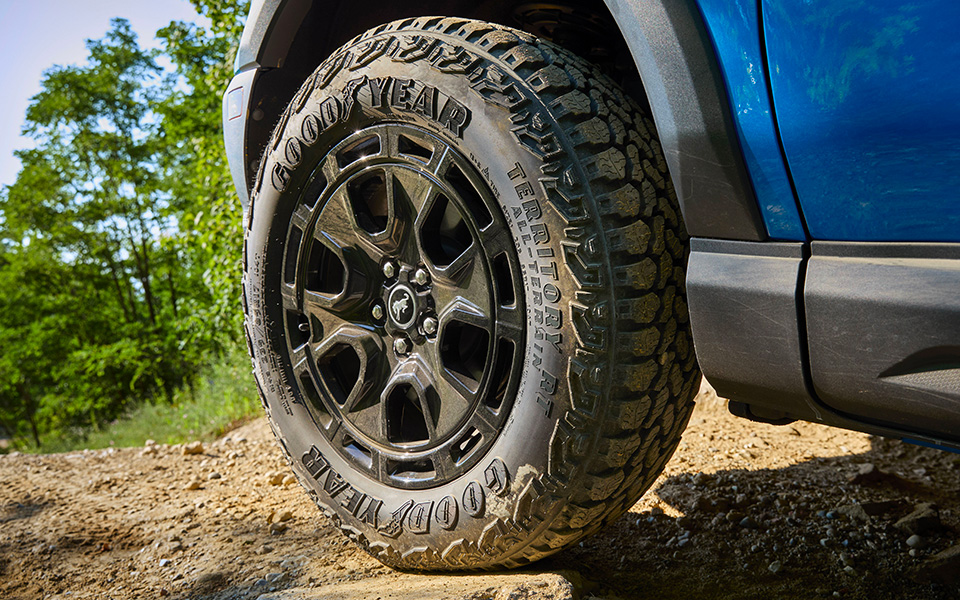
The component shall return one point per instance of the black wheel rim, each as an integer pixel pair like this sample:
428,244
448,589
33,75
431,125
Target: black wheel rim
404,310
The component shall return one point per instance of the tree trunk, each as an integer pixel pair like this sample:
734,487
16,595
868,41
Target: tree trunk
28,405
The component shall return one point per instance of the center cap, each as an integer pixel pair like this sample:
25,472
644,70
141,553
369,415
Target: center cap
402,306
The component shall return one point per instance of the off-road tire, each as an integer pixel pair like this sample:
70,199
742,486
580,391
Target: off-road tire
606,374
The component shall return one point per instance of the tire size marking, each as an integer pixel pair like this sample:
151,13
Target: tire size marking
541,272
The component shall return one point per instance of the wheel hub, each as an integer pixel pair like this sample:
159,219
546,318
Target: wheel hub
404,308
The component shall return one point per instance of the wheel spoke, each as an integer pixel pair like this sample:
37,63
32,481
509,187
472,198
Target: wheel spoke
466,312
322,308
338,226
509,324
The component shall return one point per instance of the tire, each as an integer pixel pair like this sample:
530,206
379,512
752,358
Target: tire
522,202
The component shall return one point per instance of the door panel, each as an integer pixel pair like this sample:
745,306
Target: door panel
867,99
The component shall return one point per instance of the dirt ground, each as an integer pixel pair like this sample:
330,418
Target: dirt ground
743,510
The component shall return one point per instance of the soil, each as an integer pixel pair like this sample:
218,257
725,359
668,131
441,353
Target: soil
743,510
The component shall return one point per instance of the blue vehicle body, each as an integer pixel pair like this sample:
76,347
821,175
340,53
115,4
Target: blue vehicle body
815,149
864,99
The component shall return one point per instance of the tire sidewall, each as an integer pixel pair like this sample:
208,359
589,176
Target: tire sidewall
524,444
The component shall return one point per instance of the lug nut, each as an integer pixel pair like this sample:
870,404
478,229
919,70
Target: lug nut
430,326
377,312
389,270
421,277
401,345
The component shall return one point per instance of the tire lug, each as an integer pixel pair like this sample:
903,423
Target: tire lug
401,345
430,325
421,277
389,270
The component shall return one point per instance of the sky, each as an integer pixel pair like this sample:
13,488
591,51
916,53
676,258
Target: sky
37,34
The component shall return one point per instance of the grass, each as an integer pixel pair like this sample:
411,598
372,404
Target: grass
224,398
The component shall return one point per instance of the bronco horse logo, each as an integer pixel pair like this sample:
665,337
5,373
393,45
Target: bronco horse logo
399,307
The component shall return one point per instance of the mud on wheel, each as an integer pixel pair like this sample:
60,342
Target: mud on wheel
464,298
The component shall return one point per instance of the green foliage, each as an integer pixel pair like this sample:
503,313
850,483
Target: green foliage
120,239
223,397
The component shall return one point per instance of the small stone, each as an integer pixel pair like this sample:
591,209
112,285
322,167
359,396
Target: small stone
869,474
278,527
214,475
749,523
915,541
735,516
849,570
282,516
846,559
925,518
265,549
289,480
274,577
775,567
192,448
274,478
149,443
164,562
865,510
193,485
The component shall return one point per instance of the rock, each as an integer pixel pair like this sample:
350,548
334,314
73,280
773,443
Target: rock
148,451
293,563
289,480
274,478
869,474
943,567
281,516
149,443
865,510
164,562
193,485
265,549
274,577
775,567
192,448
735,516
846,559
915,541
214,475
749,523
925,518
278,527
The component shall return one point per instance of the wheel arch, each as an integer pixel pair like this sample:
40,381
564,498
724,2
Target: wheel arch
672,59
